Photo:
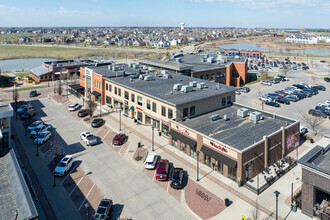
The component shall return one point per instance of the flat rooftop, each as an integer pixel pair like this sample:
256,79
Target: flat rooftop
318,158
105,71
66,63
237,132
166,64
162,89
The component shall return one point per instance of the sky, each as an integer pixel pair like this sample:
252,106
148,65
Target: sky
169,13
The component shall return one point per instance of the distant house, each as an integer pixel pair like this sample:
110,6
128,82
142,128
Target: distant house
25,40
174,42
138,43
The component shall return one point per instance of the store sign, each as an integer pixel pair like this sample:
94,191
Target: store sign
139,109
88,72
182,130
219,147
164,122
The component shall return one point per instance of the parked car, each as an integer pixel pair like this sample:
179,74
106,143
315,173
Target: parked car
39,129
303,131
317,113
151,161
323,109
162,170
244,89
283,100
28,114
292,98
326,106
284,78
33,93
265,82
64,165
73,107
104,209
177,178
265,99
88,137
119,139
319,87
327,79
24,108
275,104
97,122
82,113
34,125
43,137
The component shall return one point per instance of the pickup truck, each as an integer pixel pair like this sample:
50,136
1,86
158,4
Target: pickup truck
177,178
104,209
88,137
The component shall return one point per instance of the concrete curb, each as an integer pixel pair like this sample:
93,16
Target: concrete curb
183,200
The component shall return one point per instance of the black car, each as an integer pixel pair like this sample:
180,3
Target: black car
283,100
323,109
33,93
97,122
275,104
177,178
28,114
327,79
307,93
319,87
299,86
82,113
317,113
315,91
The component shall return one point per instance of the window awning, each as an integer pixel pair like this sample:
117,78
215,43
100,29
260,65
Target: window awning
131,108
219,157
96,94
182,138
76,87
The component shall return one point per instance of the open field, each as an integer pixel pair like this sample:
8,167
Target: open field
14,37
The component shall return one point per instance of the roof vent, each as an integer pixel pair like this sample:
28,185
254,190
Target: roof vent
177,87
214,117
201,85
255,116
141,77
242,112
167,76
186,89
109,67
203,60
131,80
163,72
225,117
210,60
147,78
178,60
206,56
193,83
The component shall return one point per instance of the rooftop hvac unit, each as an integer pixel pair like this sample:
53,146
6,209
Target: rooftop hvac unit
193,83
167,76
225,117
141,77
214,117
201,85
131,65
177,87
150,68
109,67
145,67
210,60
206,56
158,74
178,60
186,88
163,72
203,60
242,112
147,78
255,116
236,57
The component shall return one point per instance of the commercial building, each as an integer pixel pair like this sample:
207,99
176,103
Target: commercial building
6,112
316,182
237,141
243,53
207,65
154,98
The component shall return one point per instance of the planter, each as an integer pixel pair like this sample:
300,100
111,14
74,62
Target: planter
311,140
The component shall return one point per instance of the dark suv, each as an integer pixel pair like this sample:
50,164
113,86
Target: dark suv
317,113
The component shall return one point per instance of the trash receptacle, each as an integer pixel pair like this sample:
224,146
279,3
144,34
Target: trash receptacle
139,144
294,206
226,202
312,140
160,133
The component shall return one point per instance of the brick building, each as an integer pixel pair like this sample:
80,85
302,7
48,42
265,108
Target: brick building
244,53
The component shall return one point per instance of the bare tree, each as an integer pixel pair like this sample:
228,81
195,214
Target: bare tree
91,107
256,211
313,78
59,88
312,122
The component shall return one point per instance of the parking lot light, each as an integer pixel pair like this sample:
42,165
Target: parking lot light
152,128
197,153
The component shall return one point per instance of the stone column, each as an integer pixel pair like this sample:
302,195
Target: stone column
266,151
283,141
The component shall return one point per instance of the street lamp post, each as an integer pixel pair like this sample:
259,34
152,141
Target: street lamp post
197,153
100,107
119,119
55,158
87,205
277,193
152,128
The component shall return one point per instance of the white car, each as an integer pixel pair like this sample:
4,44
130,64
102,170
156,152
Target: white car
326,106
73,107
64,165
306,85
39,129
34,125
265,99
43,137
327,102
88,137
265,83
151,161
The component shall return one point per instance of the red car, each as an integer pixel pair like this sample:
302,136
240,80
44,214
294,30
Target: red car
119,139
162,170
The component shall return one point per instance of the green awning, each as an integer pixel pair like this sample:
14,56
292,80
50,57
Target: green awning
131,108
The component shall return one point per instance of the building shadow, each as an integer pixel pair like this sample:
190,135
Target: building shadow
116,212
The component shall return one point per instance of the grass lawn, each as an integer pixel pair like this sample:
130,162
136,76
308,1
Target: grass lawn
30,88
21,75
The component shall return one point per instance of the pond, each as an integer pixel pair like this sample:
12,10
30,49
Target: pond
22,64
249,46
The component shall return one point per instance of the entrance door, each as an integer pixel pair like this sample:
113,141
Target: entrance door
248,171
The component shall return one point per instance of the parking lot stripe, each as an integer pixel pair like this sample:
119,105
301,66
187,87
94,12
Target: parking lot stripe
76,185
168,184
154,176
86,197
106,134
97,130
69,173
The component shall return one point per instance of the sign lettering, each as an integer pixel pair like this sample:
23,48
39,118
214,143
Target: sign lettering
182,130
219,147
88,72
139,109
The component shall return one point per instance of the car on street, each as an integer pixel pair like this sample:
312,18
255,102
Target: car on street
39,129
119,139
43,137
104,210
317,113
177,178
28,114
275,104
319,87
282,100
88,137
162,170
265,82
82,113
151,161
73,107
327,79
97,122
33,93
64,165
34,125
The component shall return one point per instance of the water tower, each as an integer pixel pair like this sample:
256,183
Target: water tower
182,25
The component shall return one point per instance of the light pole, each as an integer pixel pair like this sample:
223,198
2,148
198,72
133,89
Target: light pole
87,205
37,144
277,193
197,153
119,119
152,128
100,106
55,158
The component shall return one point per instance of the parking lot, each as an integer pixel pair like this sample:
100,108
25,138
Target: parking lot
295,109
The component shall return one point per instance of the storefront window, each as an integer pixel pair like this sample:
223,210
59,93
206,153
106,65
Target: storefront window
139,118
223,101
212,76
148,104
163,111
174,143
207,160
207,77
192,110
126,95
232,173
126,110
115,103
183,147
132,98
139,100
170,113
219,166
193,152
108,100
148,120
165,129
185,112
